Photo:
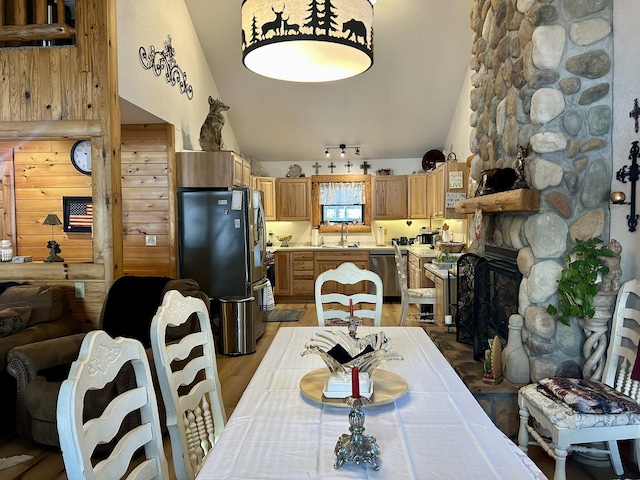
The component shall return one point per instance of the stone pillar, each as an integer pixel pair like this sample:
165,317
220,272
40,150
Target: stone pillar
595,346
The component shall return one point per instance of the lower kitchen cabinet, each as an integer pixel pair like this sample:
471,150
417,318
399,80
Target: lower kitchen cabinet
446,285
282,263
331,260
414,272
302,272
296,272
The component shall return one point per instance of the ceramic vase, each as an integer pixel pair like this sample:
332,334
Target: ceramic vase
515,361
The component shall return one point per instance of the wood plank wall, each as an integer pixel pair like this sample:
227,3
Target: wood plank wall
148,199
43,175
68,92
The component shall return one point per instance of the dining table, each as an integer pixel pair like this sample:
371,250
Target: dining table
433,430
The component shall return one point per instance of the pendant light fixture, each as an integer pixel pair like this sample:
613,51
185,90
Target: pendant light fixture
307,40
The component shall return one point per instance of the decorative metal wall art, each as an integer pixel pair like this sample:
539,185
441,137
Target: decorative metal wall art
630,174
157,61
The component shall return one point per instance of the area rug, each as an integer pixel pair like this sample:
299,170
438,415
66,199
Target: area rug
285,315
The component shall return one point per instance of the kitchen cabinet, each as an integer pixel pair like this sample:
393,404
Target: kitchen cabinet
302,268
212,169
417,195
324,261
293,199
414,271
283,274
447,178
389,197
267,185
445,284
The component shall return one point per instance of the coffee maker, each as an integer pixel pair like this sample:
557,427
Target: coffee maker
427,238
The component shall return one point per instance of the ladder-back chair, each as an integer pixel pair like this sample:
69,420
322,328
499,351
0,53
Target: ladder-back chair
348,274
100,360
615,418
188,378
420,296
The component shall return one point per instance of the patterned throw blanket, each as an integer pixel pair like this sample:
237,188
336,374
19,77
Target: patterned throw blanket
587,396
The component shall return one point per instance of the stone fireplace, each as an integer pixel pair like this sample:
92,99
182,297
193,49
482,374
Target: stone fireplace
487,296
541,79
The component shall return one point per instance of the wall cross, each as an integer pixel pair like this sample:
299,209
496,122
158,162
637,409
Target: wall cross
317,166
332,166
635,113
348,165
365,166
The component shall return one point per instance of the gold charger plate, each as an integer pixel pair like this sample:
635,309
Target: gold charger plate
387,388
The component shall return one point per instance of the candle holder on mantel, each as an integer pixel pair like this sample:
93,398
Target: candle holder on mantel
357,447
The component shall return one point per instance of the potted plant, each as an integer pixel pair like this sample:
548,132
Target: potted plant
579,282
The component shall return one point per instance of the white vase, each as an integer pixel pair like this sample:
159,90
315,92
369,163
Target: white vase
515,361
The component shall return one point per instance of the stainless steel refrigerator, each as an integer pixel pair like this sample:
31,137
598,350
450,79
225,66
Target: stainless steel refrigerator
222,244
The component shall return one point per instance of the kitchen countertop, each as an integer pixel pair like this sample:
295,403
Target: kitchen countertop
421,251
440,272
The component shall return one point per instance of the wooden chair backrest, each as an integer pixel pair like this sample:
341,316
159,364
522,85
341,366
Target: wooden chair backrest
349,274
188,378
100,360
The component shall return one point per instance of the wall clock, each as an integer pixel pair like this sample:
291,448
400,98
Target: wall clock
81,156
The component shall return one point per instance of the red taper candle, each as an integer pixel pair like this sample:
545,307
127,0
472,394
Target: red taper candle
355,383
351,307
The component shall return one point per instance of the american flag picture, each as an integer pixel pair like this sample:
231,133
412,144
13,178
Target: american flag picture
78,213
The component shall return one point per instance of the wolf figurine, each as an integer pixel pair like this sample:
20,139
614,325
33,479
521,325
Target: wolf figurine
211,130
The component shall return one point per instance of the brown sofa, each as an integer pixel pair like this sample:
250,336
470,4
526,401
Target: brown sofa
28,314
40,368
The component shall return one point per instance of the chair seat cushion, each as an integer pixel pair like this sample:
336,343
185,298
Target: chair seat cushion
422,292
339,322
565,415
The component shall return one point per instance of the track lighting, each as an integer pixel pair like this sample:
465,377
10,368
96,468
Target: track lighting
343,149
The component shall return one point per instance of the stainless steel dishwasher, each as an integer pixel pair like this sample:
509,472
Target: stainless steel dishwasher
383,262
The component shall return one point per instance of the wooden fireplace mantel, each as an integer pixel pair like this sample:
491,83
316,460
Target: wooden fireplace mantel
521,200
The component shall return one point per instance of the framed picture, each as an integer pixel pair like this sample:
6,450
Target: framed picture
78,214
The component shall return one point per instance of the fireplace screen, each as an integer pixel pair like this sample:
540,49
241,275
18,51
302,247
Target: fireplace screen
487,296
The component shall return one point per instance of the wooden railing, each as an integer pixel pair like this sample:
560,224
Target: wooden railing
28,21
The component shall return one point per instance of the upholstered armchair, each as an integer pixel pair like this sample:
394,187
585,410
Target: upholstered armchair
40,368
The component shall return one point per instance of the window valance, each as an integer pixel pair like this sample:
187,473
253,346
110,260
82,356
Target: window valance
342,193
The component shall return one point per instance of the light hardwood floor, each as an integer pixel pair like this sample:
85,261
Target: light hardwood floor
235,372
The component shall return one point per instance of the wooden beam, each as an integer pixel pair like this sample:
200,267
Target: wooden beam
50,129
41,12
26,33
521,200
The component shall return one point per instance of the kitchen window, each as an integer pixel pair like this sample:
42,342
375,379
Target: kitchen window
340,199
342,202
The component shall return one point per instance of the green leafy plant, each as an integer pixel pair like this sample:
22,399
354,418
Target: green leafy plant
446,257
578,283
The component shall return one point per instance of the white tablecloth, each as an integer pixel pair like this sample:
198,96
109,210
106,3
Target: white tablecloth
436,431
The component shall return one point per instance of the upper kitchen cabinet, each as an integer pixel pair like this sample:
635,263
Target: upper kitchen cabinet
417,194
212,169
445,186
389,197
293,198
267,185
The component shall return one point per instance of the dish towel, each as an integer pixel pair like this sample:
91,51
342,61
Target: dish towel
267,300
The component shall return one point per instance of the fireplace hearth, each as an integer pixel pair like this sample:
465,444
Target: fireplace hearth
487,296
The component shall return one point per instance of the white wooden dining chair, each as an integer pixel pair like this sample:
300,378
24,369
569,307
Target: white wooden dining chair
411,296
188,378
99,361
568,427
348,274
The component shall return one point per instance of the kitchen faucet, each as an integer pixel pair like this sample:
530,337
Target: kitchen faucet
344,239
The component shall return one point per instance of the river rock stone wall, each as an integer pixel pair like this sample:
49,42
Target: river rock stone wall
542,73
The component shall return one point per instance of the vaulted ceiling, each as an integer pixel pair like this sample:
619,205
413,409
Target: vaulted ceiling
400,108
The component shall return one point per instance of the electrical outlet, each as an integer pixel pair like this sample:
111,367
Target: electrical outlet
150,240
79,289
